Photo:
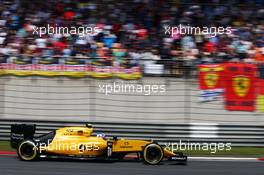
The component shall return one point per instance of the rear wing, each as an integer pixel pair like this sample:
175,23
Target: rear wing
20,132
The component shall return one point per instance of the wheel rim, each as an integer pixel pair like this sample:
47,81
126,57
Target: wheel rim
153,154
27,150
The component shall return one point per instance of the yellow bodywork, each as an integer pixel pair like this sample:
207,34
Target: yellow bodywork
80,141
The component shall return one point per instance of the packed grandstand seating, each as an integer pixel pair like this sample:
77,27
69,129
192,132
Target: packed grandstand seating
131,32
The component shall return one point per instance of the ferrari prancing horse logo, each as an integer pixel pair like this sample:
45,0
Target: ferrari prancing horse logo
211,79
241,85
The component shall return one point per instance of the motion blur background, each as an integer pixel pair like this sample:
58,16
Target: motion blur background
131,34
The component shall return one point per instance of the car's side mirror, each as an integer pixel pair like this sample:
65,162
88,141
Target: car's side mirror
115,138
88,125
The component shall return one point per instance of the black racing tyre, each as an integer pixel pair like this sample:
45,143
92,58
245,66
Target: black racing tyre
153,154
27,150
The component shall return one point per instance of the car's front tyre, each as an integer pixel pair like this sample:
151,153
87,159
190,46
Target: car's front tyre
153,154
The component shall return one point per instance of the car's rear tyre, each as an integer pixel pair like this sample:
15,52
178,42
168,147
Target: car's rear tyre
27,150
153,154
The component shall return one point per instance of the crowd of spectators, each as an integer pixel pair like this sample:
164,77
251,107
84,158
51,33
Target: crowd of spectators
132,31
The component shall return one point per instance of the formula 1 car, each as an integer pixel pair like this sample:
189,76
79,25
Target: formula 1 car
81,142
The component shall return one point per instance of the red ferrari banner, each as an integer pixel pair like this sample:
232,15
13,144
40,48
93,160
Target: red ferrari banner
210,76
240,87
210,81
260,95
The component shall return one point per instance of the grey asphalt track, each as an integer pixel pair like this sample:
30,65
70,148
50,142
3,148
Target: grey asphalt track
10,165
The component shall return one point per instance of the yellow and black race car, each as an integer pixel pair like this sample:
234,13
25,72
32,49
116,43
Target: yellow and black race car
81,142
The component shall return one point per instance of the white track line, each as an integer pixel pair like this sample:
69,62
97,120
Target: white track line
224,158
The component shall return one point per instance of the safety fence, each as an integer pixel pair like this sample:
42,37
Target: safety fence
237,135
65,99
